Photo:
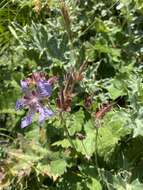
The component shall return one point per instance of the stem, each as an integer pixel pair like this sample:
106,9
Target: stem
96,149
42,135
65,14
67,21
4,135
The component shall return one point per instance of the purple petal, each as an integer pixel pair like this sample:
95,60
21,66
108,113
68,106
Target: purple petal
44,88
24,85
44,113
48,112
27,120
19,104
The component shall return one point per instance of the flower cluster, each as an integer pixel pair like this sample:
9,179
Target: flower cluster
36,91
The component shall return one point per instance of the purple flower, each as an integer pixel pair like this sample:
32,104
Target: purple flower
19,105
44,88
24,85
27,120
30,100
34,99
44,113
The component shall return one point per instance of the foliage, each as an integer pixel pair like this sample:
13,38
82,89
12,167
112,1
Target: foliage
94,49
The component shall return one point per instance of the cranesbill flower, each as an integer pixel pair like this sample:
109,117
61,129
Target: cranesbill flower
19,105
33,100
44,88
24,85
44,113
27,120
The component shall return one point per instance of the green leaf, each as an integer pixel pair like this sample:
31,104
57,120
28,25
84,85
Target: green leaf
63,143
114,127
100,26
75,122
13,32
43,169
136,185
106,142
137,123
87,145
92,175
122,183
115,89
115,52
58,167
138,127
33,133
94,184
